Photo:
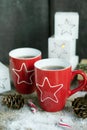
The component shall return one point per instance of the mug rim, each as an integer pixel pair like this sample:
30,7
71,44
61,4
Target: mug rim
13,52
38,63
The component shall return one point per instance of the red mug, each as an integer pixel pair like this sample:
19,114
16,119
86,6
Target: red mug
22,68
85,87
53,79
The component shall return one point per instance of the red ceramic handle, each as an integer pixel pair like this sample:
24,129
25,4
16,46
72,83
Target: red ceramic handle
80,86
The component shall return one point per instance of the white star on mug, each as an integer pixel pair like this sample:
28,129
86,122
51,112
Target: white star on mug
25,77
48,91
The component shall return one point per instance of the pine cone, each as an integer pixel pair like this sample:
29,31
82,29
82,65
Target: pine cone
13,101
80,106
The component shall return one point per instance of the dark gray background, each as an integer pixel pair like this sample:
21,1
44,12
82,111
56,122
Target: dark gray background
29,23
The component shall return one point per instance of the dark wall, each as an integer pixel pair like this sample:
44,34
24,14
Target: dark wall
79,6
23,23
29,23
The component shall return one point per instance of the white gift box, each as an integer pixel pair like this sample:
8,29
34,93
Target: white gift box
60,48
66,25
4,78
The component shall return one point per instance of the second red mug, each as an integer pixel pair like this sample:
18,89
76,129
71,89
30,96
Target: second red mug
53,79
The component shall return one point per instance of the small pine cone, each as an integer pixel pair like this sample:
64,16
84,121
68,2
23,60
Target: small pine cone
80,106
13,101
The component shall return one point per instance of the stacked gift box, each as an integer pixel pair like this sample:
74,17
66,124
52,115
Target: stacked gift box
63,43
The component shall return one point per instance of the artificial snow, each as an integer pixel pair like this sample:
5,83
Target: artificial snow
24,119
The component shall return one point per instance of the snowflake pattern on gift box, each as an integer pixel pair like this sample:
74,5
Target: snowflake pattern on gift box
60,50
66,27
24,78
3,83
49,90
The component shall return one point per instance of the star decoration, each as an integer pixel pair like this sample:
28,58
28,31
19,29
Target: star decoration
48,91
2,82
59,50
24,75
66,27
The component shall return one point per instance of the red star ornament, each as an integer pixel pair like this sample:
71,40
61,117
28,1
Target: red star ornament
48,91
24,75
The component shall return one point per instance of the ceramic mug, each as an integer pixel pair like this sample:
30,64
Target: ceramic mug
85,87
53,79
22,68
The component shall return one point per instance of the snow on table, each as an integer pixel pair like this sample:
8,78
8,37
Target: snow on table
25,119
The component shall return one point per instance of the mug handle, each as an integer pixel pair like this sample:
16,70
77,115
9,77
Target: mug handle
80,86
